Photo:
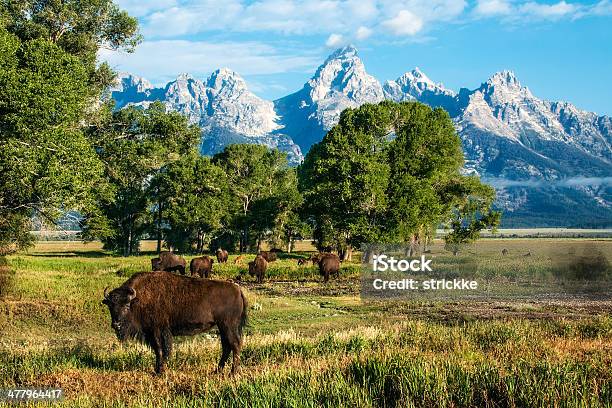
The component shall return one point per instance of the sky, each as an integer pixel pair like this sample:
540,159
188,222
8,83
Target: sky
560,50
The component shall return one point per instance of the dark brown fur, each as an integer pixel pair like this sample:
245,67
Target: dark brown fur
329,264
222,255
268,255
154,307
201,266
258,268
169,262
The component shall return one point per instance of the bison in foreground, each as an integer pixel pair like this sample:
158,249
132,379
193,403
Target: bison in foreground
154,307
258,268
329,264
201,266
169,262
222,255
269,256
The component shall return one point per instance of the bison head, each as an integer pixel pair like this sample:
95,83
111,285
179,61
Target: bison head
119,302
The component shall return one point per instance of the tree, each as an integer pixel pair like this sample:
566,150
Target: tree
193,193
49,90
134,144
471,213
262,185
390,172
425,155
344,178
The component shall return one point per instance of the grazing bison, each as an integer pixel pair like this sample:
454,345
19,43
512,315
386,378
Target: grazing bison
315,258
201,266
504,252
269,256
169,262
239,260
329,264
154,307
222,255
258,268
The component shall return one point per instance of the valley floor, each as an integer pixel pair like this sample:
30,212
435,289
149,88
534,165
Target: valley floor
309,343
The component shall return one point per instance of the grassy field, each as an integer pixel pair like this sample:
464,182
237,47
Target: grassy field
309,343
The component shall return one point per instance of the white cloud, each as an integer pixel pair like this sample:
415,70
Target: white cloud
334,40
492,7
357,19
404,23
548,11
363,33
200,58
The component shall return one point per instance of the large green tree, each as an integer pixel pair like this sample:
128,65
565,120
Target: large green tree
134,144
344,179
49,90
191,202
263,187
391,173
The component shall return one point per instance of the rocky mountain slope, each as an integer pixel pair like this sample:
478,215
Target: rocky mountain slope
550,161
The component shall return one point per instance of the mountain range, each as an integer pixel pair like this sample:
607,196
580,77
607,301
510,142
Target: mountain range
551,163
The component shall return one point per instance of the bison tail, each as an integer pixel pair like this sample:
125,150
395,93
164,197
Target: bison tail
244,315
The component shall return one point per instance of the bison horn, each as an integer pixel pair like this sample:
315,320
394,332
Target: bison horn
131,294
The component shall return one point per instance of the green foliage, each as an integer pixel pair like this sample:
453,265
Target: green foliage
391,172
134,145
49,88
344,178
192,201
263,189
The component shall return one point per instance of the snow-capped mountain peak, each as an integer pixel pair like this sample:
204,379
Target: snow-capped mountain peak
225,79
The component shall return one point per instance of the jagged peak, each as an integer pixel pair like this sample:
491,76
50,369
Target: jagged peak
346,52
504,77
185,76
223,77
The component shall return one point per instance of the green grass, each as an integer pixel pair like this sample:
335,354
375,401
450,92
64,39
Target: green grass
308,343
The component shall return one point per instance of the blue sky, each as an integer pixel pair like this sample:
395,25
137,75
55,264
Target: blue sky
561,50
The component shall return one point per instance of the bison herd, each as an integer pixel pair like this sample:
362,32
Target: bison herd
154,307
329,264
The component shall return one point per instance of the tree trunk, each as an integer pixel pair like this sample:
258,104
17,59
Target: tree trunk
347,254
159,220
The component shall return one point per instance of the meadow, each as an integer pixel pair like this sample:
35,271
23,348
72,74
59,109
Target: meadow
312,344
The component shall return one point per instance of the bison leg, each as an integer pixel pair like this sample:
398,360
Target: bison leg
155,342
235,344
206,273
225,348
166,342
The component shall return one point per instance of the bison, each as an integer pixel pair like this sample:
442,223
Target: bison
269,256
169,262
222,255
504,252
258,268
201,266
329,264
154,307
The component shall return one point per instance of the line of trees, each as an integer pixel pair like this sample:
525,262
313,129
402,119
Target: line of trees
389,172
